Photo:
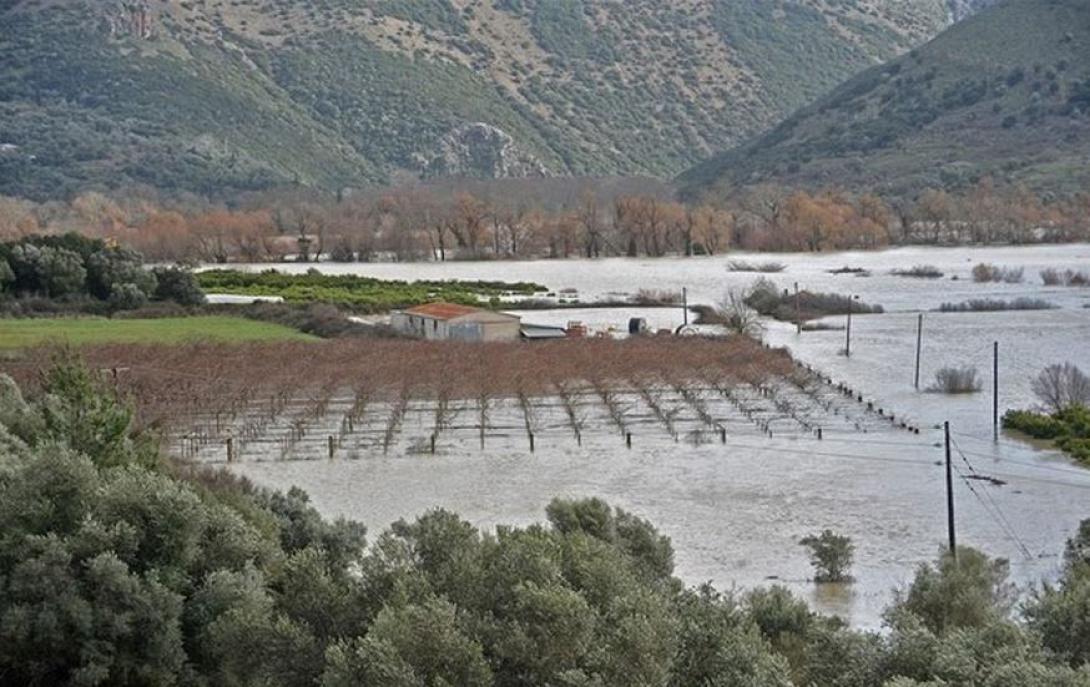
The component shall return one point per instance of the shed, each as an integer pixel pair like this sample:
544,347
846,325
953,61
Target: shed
453,322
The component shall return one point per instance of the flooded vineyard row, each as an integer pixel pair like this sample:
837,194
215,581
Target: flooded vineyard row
352,426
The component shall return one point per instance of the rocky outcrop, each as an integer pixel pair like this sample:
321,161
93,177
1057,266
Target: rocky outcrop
960,9
480,150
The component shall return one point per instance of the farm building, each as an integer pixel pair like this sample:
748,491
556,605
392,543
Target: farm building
451,322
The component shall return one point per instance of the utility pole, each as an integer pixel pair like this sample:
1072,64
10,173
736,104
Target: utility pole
798,311
848,339
919,345
950,496
995,391
685,304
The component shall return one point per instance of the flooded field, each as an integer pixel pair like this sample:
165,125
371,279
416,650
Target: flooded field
736,510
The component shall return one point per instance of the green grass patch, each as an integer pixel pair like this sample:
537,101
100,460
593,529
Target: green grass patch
362,294
25,333
1069,429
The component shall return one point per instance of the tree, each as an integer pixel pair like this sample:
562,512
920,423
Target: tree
969,591
7,275
1061,386
54,272
178,285
113,266
77,411
831,555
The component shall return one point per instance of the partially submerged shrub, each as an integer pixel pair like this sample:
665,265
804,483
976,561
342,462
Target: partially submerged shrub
956,380
831,555
1054,277
997,305
768,300
746,266
1069,428
919,272
985,272
657,297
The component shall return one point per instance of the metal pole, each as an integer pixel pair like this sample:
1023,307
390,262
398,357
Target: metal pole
685,304
995,391
950,496
919,346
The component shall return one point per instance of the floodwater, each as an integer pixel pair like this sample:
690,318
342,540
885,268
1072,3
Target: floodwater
736,511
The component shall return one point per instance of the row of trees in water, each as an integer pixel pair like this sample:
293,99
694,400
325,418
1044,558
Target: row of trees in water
119,568
547,218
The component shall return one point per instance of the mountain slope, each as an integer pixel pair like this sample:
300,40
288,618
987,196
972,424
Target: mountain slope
1005,94
216,95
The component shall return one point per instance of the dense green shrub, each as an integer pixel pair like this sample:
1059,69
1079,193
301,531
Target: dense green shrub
1068,428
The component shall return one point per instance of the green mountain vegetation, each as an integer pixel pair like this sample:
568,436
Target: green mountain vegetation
215,96
1004,94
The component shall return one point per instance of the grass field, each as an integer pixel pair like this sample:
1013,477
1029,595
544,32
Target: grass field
23,333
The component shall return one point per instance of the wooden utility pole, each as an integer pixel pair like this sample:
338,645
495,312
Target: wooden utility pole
995,391
798,311
848,336
919,346
952,535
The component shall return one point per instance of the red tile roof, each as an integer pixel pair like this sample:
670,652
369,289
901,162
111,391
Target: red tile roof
442,311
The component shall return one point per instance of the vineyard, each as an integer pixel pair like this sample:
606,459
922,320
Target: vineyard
354,399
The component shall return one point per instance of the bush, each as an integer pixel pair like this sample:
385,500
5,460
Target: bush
656,297
768,300
178,285
984,272
919,272
127,296
1068,428
1054,277
342,252
956,380
831,555
997,305
746,266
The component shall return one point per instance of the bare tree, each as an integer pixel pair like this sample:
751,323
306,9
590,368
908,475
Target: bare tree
1062,386
737,317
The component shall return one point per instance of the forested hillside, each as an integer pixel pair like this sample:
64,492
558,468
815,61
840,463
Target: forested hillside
1003,95
212,96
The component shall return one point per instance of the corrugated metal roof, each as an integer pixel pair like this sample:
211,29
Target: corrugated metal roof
442,311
